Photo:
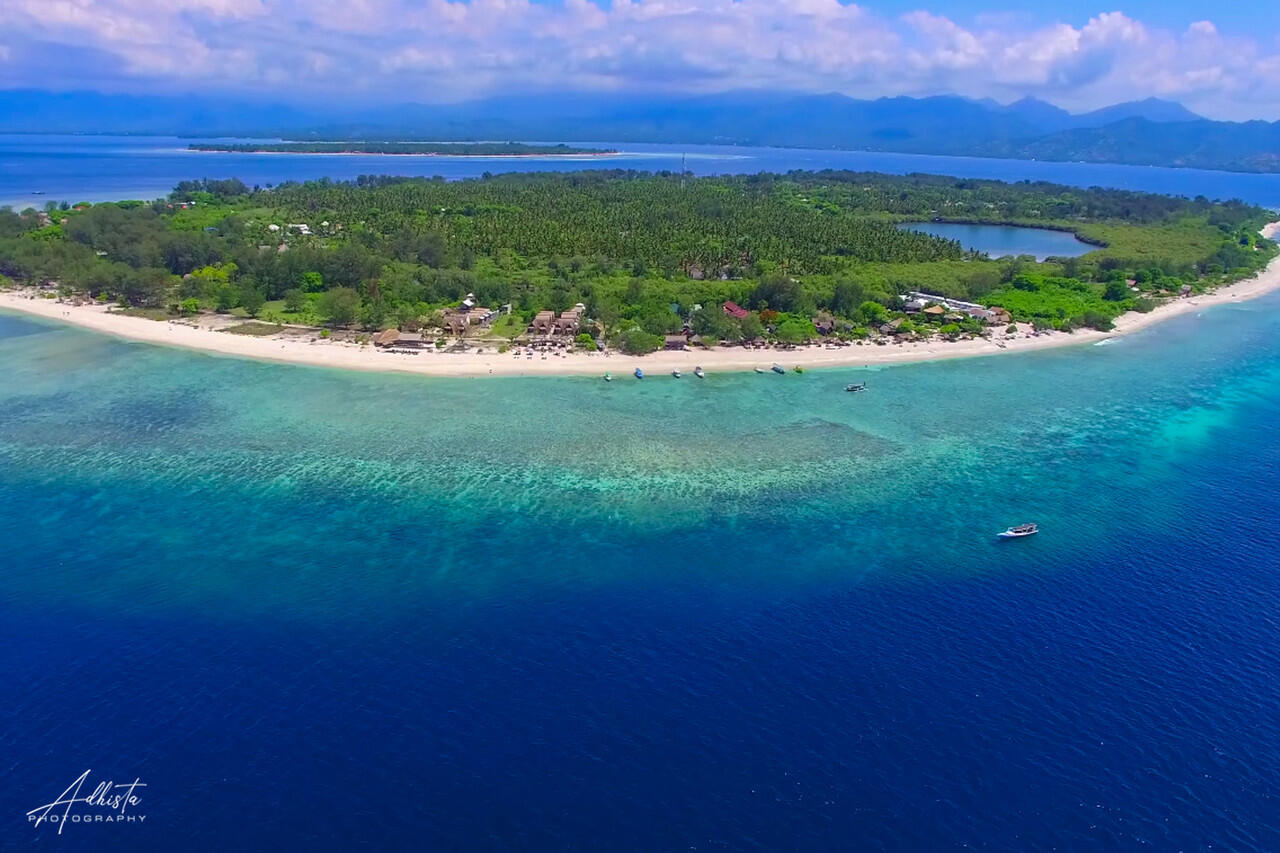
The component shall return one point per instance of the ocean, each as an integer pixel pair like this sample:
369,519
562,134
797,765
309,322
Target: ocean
36,169
318,610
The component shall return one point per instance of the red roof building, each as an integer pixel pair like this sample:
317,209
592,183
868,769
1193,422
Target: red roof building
733,309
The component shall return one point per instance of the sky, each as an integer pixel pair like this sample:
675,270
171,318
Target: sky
1220,59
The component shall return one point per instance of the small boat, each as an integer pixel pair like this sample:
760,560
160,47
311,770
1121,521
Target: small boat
778,368
759,370
639,373
608,377
798,369
697,371
855,387
1020,531
676,374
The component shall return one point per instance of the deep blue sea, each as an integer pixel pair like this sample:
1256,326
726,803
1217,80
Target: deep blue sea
37,169
327,611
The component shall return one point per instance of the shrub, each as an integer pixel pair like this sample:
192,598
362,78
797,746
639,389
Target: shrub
639,342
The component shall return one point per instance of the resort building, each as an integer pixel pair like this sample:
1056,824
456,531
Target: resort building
735,310
543,324
396,339
676,342
570,321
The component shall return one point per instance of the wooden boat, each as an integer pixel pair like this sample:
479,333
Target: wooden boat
1020,531
778,368
697,371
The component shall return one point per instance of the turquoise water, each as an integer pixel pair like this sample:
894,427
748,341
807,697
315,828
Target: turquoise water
35,169
321,610
1001,241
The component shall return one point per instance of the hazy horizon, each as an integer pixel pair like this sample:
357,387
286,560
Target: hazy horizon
1224,65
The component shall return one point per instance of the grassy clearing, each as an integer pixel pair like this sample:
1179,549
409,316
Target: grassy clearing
254,329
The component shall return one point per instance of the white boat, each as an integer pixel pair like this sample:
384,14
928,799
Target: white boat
856,387
608,377
697,371
676,374
1020,531
759,370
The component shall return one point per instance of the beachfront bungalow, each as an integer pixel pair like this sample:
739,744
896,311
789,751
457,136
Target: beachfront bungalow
994,316
457,324
411,340
1185,291
934,311
735,310
824,323
570,321
543,323
396,339
676,342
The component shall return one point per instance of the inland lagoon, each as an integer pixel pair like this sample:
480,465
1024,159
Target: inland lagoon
1002,241
315,609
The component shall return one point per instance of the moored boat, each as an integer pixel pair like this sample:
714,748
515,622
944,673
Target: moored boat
608,377
639,373
856,387
759,370
676,373
1020,531
778,368
697,371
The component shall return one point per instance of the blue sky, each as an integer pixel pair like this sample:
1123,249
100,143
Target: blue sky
1222,60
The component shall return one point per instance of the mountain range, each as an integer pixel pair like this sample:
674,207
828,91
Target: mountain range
1148,132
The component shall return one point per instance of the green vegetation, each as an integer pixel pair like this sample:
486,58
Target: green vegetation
646,254
453,149
253,328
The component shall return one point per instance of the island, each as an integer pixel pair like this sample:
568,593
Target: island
554,272
422,149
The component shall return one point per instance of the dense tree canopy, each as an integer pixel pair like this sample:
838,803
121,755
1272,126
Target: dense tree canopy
641,251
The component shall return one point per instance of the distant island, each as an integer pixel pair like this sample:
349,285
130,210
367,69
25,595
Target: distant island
1149,132
450,149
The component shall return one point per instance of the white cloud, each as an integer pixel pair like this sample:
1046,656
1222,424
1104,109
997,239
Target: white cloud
396,50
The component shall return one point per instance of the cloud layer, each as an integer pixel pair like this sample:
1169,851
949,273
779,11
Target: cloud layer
436,50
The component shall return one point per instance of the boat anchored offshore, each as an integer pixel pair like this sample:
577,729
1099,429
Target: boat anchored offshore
1020,531
676,373
855,387
697,371
608,377
759,370
778,368
639,373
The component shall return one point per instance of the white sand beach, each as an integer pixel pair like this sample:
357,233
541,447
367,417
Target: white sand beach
303,347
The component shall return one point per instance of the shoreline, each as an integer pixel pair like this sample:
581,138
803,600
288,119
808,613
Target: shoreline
301,347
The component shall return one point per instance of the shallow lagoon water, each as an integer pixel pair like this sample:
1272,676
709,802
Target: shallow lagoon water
1001,241
321,610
